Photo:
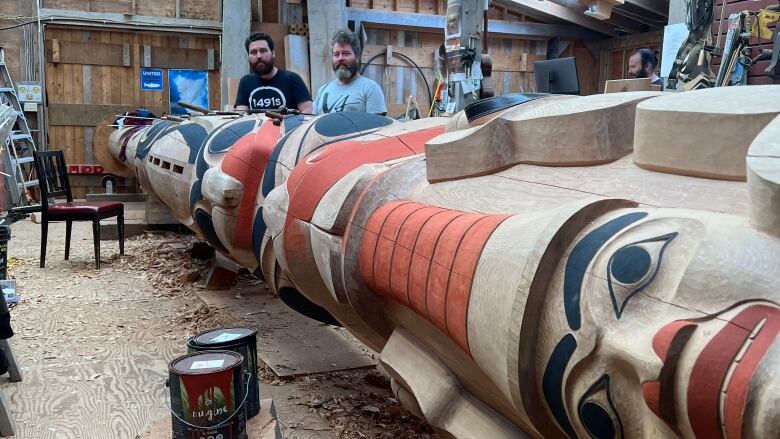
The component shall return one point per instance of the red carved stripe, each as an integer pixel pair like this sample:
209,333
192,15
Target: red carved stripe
383,257
370,240
402,255
662,340
421,259
651,391
425,258
312,178
246,161
415,140
443,257
463,269
736,397
712,365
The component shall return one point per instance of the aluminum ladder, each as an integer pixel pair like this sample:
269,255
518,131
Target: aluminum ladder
18,149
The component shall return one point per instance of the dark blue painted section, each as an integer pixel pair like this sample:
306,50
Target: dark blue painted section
151,135
597,419
630,264
193,135
258,230
552,382
292,122
339,124
196,194
206,226
341,139
201,166
226,137
581,256
269,177
303,139
627,263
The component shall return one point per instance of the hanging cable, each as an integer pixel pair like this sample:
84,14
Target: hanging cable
16,25
410,61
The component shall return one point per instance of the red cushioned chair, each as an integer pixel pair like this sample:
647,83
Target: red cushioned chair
53,180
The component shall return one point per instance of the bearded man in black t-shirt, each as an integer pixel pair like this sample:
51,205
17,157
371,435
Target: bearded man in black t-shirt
268,87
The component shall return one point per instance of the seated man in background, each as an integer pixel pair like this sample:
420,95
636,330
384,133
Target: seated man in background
642,65
349,91
268,87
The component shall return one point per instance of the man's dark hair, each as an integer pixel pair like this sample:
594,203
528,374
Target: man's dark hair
345,36
257,36
648,56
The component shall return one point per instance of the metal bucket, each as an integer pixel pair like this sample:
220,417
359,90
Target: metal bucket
242,340
208,394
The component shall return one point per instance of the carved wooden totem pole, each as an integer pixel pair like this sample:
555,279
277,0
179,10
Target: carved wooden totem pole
581,267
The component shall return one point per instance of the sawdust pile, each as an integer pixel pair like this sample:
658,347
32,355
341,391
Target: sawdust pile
355,403
166,259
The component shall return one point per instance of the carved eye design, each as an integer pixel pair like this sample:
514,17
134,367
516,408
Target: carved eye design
633,267
597,413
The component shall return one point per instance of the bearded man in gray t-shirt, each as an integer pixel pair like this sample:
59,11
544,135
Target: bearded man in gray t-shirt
349,91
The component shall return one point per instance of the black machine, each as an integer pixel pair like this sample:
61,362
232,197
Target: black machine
557,76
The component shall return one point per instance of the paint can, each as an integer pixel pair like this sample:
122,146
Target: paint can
242,340
208,395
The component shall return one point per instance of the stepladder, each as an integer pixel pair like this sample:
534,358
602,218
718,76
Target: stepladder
17,146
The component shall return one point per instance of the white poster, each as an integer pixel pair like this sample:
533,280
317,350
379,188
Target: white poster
674,37
191,86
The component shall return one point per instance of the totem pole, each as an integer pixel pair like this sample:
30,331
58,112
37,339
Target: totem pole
553,268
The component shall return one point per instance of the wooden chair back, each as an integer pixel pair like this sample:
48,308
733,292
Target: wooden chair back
52,176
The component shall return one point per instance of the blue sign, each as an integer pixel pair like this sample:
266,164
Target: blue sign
151,79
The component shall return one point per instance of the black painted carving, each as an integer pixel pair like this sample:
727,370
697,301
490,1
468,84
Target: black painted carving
602,421
552,382
632,266
581,256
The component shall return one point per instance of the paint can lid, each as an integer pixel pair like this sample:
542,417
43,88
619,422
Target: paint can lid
205,362
223,336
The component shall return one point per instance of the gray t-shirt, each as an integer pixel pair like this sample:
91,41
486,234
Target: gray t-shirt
361,95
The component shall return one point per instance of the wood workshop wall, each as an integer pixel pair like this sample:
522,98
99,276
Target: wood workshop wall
512,56
94,73
11,39
20,42
756,75
512,65
193,9
615,52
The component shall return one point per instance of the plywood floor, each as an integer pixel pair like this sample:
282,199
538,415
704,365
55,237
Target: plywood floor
93,345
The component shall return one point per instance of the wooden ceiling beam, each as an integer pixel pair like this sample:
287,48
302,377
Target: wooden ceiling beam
659,7
551,9
404,20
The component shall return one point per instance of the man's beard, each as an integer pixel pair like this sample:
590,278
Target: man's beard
345,71
262,68
641,74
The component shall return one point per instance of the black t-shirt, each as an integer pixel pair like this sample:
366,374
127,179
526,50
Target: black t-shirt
285,88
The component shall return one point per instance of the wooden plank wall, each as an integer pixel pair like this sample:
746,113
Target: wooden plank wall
11,39
192,9
512,58
512,64
438,7
618,59
78,93
756,74
615,52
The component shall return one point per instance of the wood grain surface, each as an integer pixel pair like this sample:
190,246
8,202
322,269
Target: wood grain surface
93,345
